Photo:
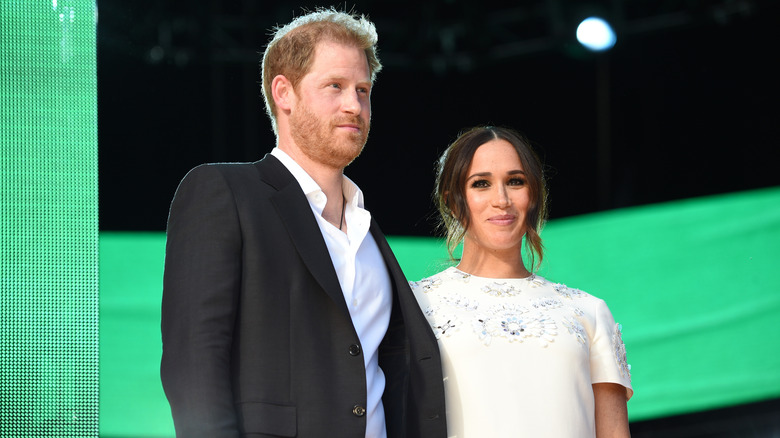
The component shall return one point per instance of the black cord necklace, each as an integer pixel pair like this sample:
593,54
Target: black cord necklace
343,207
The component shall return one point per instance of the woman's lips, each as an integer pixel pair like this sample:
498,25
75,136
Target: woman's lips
504,219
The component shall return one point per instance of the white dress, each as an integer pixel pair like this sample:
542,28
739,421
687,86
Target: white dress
520,355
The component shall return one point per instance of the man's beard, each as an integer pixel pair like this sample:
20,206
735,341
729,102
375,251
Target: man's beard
318,140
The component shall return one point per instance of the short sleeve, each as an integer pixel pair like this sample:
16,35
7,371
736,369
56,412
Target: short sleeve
608,362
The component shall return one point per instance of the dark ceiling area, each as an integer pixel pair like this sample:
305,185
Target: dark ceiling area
684,105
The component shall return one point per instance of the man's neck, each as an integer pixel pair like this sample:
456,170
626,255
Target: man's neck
328,178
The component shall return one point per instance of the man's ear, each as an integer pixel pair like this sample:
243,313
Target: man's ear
282,92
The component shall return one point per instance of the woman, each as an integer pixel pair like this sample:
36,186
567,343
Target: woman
522,356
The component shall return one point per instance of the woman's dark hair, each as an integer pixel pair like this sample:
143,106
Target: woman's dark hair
451,174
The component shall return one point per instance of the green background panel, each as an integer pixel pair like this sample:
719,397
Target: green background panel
48,219
132,403
692,282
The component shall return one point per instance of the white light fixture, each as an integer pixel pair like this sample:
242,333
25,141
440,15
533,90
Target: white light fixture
596,34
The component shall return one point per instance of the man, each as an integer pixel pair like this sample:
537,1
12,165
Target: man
284,311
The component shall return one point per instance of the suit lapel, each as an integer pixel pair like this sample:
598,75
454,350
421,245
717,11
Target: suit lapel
294,210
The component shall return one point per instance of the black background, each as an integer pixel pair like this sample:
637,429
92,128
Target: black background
685,105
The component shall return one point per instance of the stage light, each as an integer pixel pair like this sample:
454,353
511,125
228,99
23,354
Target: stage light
596,34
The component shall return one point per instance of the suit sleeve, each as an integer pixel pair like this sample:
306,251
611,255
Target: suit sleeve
201,286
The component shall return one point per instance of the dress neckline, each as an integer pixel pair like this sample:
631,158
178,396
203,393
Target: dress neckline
529,278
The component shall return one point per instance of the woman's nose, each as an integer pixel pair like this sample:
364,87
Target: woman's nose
501,198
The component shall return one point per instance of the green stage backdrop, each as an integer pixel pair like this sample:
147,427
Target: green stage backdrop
694,284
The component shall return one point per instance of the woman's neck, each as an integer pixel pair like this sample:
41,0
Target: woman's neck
493,264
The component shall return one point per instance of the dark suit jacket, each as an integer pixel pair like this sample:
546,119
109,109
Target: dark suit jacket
257,338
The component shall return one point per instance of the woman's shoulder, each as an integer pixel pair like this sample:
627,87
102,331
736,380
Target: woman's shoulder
429,283
561,288
567,293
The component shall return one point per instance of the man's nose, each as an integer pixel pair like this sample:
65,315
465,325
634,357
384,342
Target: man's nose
351,102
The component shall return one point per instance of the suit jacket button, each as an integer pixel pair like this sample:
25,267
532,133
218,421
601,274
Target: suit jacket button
354,349
359,411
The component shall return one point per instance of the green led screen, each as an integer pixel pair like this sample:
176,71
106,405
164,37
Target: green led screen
48,219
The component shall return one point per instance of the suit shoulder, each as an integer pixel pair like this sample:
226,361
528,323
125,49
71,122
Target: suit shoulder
220,171
219,168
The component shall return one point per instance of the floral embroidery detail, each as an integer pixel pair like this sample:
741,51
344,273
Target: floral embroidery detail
446,328
508,321
513,326
547,303
543,328
497,289
575,328
444,324
500,321
426,284
459,275
568,292
480,327
461,302
620,352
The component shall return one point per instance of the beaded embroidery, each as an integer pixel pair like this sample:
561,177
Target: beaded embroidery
515,320
547,303
543,328
426,284
535,281
513,326
457,274
514,323
508,321
459,301
575,328
620,352
505,321
500,290
446,328
568,292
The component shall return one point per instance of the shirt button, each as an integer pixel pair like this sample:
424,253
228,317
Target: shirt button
354,349
354,302
358,410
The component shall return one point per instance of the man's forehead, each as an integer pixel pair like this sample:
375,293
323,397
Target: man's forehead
336,63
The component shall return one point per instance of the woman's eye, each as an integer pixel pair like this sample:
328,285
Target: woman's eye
517,182
480,184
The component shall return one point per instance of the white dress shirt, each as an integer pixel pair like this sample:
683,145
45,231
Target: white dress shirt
363,277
